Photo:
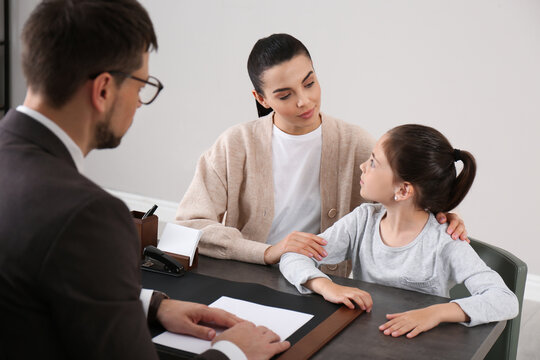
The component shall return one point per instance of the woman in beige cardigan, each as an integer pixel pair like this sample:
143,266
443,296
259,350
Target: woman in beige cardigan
292,169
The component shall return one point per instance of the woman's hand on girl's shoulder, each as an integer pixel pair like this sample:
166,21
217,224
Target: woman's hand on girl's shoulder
456,226
339,294
303,243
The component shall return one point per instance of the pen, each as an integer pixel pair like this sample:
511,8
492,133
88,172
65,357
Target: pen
149,212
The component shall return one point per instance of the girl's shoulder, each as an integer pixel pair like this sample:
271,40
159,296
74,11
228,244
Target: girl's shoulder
361,217
440,239
372,208
369,210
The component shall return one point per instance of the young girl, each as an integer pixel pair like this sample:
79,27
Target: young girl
265,178
398,242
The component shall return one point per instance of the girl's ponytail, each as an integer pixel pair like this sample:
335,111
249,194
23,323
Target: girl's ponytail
464,180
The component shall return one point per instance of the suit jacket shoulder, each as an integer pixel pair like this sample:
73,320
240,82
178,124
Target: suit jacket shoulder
68,255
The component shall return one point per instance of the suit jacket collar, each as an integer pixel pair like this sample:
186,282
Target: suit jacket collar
32,131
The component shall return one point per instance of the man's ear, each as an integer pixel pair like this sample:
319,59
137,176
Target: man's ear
102,91
260,99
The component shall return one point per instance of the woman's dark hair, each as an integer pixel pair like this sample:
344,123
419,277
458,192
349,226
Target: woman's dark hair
424,157
270,51
65,42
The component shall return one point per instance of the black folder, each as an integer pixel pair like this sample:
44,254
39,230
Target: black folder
327,321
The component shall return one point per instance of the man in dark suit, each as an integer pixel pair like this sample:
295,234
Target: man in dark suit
69,252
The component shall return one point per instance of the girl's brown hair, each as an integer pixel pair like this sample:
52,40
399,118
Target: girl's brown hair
424,157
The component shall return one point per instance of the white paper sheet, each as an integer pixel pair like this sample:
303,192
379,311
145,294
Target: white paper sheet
281,321
180,240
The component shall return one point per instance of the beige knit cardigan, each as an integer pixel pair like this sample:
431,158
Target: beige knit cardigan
231,197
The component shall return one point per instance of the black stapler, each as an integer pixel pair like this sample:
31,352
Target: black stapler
157,261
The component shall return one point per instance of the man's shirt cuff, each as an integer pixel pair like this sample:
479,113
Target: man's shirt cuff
145,297
230,350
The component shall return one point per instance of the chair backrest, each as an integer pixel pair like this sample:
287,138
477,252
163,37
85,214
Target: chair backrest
514,273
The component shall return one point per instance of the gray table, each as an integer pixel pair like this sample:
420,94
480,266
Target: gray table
362,338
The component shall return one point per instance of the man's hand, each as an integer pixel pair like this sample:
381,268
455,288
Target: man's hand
456,226
184,317
257,342
349,296
299,242
418,321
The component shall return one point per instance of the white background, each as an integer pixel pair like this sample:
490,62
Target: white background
470,68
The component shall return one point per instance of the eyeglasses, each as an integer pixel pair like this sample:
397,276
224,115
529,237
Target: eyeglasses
148,93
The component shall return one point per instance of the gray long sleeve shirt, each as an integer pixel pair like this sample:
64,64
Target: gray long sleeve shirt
432,263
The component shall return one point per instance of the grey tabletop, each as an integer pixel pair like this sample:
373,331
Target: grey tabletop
362,338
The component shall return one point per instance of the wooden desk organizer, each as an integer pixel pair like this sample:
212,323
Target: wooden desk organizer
147,228
184,260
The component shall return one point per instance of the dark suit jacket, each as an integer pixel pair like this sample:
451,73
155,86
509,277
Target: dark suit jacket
69,257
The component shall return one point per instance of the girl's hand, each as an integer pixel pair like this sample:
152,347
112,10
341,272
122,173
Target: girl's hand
299,242
415,322
411,322
456,226
348,296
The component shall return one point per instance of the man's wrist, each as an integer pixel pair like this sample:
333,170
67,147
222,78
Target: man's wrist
155,303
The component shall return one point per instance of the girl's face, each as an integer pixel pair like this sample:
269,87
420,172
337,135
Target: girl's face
292,90
377,180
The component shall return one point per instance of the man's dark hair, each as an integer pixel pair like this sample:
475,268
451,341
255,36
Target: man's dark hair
65,42
268,52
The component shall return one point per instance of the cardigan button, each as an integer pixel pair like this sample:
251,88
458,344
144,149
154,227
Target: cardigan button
332,213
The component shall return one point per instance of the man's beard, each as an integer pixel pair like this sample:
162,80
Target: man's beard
104,137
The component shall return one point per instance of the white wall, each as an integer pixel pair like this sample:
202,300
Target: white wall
19,11
470,68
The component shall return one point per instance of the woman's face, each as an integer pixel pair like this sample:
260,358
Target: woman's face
292,90
377,180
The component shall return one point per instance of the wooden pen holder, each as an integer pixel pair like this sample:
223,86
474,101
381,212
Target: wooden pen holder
147,229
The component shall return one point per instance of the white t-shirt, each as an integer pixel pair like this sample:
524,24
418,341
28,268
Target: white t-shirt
296,165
